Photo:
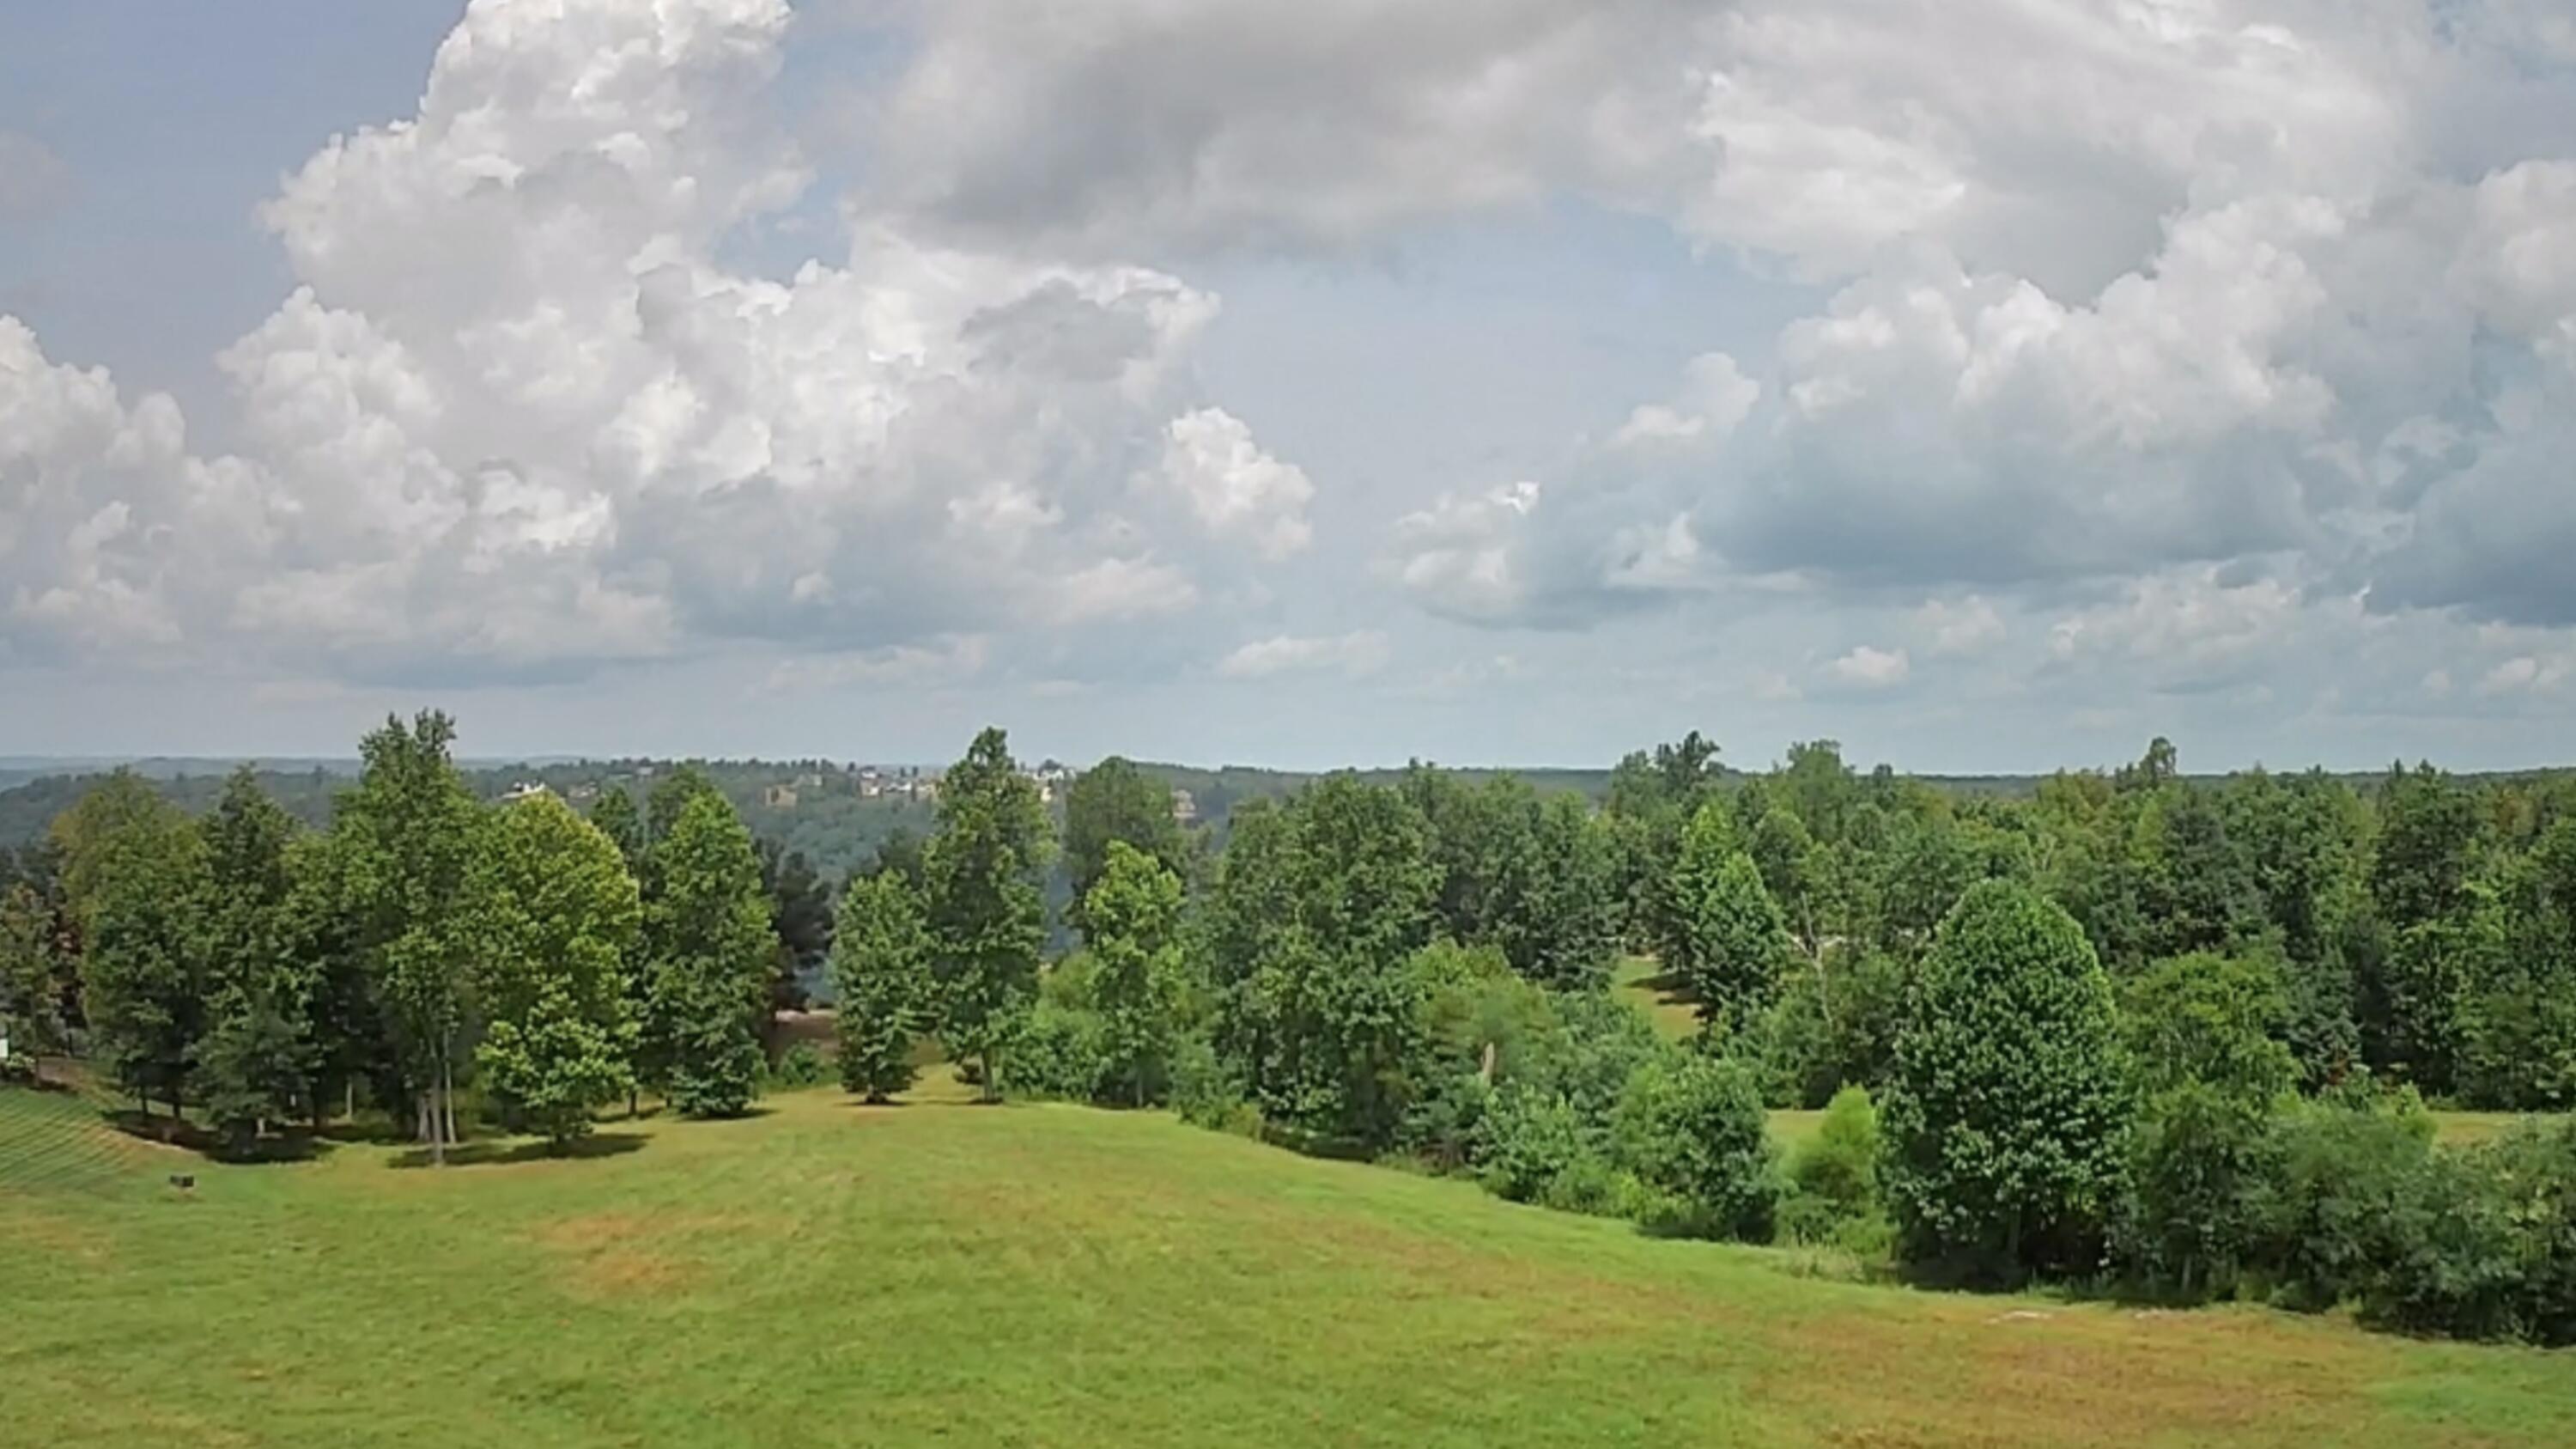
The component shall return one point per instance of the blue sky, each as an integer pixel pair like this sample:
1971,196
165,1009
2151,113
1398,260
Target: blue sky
1486,380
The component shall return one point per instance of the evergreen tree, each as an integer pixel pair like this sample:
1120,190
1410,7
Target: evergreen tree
986,917
880,983
1132,922
564,918
708,948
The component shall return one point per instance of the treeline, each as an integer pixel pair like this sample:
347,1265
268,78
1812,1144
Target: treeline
264,974
2134,1032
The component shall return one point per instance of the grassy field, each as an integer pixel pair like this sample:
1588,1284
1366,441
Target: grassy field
832,1274
1640,980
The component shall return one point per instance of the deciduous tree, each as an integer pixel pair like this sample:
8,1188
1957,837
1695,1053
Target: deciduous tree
2007,1120
987,919
708,949
564,917
880,983
1132,920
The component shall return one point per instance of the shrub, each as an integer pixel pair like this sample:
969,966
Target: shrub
1056,1053
2343,1167
2008,1115
2205,1166
2445,1255
1525,1139
2535,1174
800,1065
1693,1131
1839,1165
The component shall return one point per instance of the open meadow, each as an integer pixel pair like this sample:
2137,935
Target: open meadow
827,1273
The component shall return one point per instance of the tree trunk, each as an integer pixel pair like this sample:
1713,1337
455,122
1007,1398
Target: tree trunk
447,1097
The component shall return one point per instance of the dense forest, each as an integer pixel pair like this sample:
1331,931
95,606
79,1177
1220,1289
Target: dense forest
2126,1030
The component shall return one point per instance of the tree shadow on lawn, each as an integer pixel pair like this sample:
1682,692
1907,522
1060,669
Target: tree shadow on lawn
526,1149
294,1144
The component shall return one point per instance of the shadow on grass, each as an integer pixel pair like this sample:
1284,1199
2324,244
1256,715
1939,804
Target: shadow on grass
294,1144
531,1149
1668,987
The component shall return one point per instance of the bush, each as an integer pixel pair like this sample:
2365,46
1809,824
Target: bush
800,1065
1524,1141
1839,1165
2205,1167
2343,1167
1056,1053
1693,1132
2445,1260
2008,1115
2535,1174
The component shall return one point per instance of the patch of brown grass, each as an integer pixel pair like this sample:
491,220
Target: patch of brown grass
630,1254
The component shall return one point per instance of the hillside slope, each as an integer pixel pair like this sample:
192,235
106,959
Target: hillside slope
830,1274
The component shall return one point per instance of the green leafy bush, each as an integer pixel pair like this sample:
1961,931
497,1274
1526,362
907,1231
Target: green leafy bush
1524,1141
2206,1164
1057,1052
2344,1166
800,1065
1693,1132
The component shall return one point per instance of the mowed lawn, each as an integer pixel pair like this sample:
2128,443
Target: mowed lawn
829,1274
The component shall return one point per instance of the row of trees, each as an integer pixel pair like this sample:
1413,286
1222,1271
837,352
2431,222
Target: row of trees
2086,1018
2423,930
264,974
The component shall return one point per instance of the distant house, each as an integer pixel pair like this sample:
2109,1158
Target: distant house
779,797
1185,806
584,791
524,790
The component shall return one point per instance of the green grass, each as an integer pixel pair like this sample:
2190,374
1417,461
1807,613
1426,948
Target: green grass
831,1274
1639,979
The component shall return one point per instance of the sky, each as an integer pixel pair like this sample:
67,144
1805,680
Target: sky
1990,385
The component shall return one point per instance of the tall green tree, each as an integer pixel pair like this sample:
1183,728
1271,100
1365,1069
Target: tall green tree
31,975
987,918
800,916
2008,1115
139,870
881,986
1312,932
564,918
708,952
1114,802
406,840
1730,944
1132,922
1653,799
253,1066
615,814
